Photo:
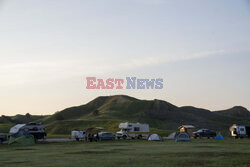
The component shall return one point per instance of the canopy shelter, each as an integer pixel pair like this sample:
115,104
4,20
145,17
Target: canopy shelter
187,128
90,133
93,130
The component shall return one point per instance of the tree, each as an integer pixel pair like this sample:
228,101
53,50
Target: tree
28,116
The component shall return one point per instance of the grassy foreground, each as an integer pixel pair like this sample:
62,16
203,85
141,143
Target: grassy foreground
203,152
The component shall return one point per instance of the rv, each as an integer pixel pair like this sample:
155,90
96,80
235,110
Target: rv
133,131
78,135
240,131
37,130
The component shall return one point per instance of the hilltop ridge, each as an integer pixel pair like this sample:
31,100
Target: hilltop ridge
109,111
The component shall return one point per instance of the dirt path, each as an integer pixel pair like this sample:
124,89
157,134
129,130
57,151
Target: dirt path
56,140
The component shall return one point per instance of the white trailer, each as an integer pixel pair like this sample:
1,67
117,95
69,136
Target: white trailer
78,135
133,131
36,129
240,131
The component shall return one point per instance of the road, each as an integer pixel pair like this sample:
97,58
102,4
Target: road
56,140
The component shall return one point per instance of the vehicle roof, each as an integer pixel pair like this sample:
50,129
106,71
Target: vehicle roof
187,126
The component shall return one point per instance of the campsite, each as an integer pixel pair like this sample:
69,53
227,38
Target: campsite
138,153
180,148
124,83
147,133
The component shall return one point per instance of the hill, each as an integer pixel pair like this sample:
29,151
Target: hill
237,111
109,111
163,117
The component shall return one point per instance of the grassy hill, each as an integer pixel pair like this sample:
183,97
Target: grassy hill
109,111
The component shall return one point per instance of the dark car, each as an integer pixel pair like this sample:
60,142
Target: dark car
3,138
105,136
204,133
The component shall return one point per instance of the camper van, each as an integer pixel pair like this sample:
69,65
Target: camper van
78,135
240,131
37,130
133,131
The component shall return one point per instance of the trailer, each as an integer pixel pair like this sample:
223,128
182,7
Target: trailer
78,135
35,129
240,131
133,131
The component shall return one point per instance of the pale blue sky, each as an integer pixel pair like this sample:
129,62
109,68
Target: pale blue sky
48,47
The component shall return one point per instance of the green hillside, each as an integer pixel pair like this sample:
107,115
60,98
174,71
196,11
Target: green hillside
109,111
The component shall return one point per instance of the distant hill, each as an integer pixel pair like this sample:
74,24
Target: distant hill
18,119
237,111
163,117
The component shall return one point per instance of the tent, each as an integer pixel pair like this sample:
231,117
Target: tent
155,137
187,128
219,137
183,136
171,136
22,138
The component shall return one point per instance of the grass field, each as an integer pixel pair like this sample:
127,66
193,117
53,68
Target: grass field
136,153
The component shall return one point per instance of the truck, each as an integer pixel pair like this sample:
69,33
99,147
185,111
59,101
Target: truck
35,129
133,131
78,135
240,131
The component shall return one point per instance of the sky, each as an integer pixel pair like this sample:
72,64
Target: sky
48,47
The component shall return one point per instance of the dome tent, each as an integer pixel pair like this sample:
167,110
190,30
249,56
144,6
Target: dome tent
183,136
219,137
155,137
22,138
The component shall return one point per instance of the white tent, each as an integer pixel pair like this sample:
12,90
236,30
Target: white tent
155,137
171,136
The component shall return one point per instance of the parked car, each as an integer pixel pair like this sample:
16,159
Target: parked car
3,138
105,136
204,133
